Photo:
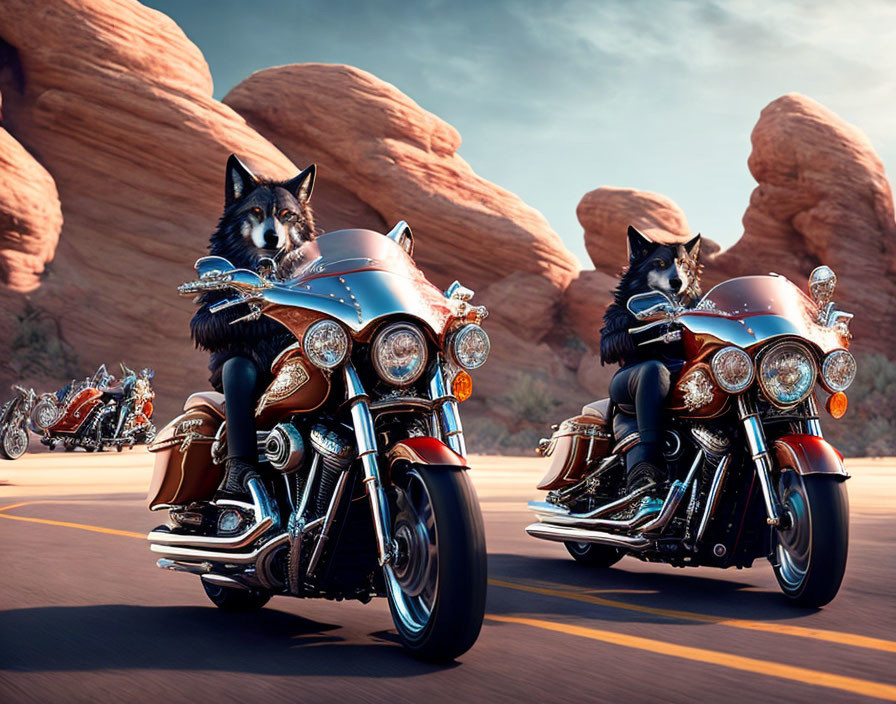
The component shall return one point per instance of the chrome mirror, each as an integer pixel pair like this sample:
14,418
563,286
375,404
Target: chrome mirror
650,303
212,266
267,267
822,282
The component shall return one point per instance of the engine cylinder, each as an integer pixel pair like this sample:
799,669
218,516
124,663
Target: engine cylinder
284,448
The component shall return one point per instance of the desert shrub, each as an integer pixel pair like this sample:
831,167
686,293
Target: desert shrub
869,426
38,348
531,400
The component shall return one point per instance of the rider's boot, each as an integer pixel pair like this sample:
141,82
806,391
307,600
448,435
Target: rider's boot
237,472
647,467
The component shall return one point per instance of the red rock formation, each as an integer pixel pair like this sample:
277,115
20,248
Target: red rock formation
823,197
115,102
606,213
584,303
30,216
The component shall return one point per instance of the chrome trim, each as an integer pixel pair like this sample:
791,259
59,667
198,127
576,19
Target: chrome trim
365,436
563,534
761,460
712,498
264,513
189,567
676,493
178,553
813,423
448,417
627,442
552,510
327,523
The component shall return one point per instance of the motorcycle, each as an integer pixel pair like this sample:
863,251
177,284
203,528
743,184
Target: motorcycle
97,412
751,474
362,488
14,423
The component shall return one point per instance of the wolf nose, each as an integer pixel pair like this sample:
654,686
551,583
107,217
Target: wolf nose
675,284
270,239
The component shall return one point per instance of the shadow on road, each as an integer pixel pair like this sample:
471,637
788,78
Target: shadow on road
677,590
268,642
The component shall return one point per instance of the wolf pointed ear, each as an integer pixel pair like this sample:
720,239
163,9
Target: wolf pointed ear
302,185
693,247
639,246
239,180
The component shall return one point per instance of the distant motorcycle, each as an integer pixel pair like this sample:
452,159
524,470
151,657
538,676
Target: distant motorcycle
97,412
751,473
14,423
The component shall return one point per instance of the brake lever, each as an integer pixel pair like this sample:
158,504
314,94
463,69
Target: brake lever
229,303
211,284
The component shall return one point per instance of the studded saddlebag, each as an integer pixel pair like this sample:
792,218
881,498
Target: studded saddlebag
576,444
184,471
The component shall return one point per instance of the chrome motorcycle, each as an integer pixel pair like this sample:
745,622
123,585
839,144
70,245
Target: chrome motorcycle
363,489
751,473
97,412
14,423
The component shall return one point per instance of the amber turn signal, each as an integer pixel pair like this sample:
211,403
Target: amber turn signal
462,386
837,404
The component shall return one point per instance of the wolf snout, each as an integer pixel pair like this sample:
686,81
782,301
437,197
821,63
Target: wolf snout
270,239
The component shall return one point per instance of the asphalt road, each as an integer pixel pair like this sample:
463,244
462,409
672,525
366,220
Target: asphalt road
86,616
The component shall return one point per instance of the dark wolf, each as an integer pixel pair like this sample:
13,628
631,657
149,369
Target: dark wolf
672,269
261,219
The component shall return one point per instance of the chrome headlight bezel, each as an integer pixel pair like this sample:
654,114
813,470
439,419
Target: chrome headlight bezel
462,336
330,333
378,349
770,356
720,362
831,359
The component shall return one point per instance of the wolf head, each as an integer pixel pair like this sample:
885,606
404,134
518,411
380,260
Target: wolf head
673,269
262,218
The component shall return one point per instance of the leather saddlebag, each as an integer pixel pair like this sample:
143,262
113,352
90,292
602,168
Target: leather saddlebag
184,471
575,445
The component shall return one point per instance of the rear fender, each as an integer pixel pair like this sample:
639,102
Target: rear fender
809,454
429,451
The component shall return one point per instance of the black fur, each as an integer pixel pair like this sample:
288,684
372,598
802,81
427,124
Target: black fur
261,340
616,344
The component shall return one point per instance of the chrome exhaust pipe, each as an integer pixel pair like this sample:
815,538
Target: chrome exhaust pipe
189,554
190,567
563,534
221,581
673,500
557,515
265,516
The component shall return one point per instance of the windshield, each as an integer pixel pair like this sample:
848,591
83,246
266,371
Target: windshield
348,251
753,295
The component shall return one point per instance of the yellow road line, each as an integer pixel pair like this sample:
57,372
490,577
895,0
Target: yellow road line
79,526
839,637
735,662
23,503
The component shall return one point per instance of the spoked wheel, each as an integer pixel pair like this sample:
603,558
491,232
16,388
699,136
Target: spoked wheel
811,552
235,599
594,554
45,413
437,585
14,441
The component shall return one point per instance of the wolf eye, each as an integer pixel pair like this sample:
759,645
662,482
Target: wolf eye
660,264
256,212
287,215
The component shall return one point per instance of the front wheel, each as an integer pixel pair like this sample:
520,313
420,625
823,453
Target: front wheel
437,584
13,440
235,599
811,553
594,554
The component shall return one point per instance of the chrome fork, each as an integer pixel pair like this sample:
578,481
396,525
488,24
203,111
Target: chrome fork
365,437
749,416
446,417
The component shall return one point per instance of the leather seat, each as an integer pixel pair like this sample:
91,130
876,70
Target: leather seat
211,400
599,409
622,418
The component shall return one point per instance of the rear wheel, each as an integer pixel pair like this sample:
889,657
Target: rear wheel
594,554
811,553
437,585
235,599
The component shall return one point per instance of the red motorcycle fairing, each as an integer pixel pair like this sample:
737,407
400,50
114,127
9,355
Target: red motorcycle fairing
426,451
809,454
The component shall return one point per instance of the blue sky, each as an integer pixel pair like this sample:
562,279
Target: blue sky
553,99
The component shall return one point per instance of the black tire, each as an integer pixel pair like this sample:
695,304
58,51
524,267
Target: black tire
810,557
459,585
234,599
594,554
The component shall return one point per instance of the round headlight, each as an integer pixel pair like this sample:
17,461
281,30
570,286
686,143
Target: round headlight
399,354
470,346
787,374
733,369
325,344
839,370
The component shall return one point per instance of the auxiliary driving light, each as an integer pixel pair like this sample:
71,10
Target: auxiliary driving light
837,404
462,386
325,344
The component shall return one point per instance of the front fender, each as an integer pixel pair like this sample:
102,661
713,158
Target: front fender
809,454
426,451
